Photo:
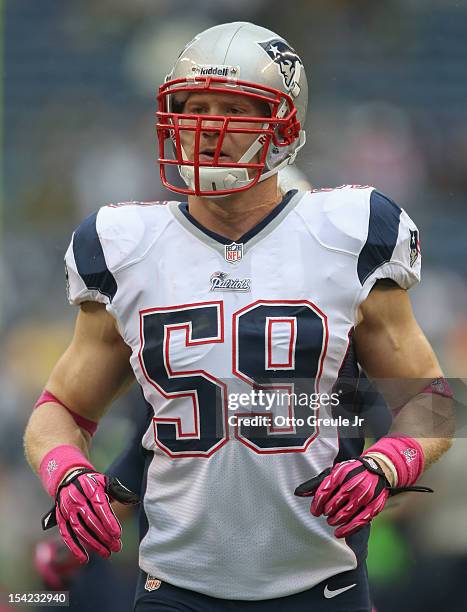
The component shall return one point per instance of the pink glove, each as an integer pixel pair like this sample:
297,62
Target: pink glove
84,515
351,495
353,492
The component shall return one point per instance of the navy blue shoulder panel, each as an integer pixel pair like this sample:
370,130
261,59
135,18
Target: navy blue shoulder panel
383,229
90,260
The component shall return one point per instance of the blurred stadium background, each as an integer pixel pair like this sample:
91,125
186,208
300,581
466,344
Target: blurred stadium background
387,107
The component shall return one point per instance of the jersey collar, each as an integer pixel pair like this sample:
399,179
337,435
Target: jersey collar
251,237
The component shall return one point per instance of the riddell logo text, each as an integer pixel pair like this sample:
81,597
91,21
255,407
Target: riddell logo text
214,71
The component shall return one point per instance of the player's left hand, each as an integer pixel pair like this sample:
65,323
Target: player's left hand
350,494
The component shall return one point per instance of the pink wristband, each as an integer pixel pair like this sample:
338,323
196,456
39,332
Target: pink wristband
405,453
57,462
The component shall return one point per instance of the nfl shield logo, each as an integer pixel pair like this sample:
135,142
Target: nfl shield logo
233,252
152,583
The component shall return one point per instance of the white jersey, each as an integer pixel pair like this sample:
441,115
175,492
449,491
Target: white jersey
207,319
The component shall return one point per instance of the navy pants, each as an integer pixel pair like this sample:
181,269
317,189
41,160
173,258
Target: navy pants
331,595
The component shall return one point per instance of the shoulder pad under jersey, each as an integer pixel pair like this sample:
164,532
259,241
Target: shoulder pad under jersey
361,221
114,237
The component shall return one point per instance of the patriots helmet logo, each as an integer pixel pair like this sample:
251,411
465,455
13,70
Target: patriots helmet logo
285,58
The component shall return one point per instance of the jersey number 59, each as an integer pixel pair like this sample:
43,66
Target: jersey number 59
253,360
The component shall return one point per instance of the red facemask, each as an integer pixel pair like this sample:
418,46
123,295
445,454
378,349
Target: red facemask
280,129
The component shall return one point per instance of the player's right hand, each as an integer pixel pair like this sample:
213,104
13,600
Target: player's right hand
84,515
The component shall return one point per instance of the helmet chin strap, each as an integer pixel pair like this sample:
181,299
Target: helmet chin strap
215,179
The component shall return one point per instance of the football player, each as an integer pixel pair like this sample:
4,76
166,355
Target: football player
241,292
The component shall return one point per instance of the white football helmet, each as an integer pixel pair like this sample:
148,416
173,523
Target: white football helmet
243,59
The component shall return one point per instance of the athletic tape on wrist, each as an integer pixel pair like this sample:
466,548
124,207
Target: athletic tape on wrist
388,463
83,422
57,462
405,454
